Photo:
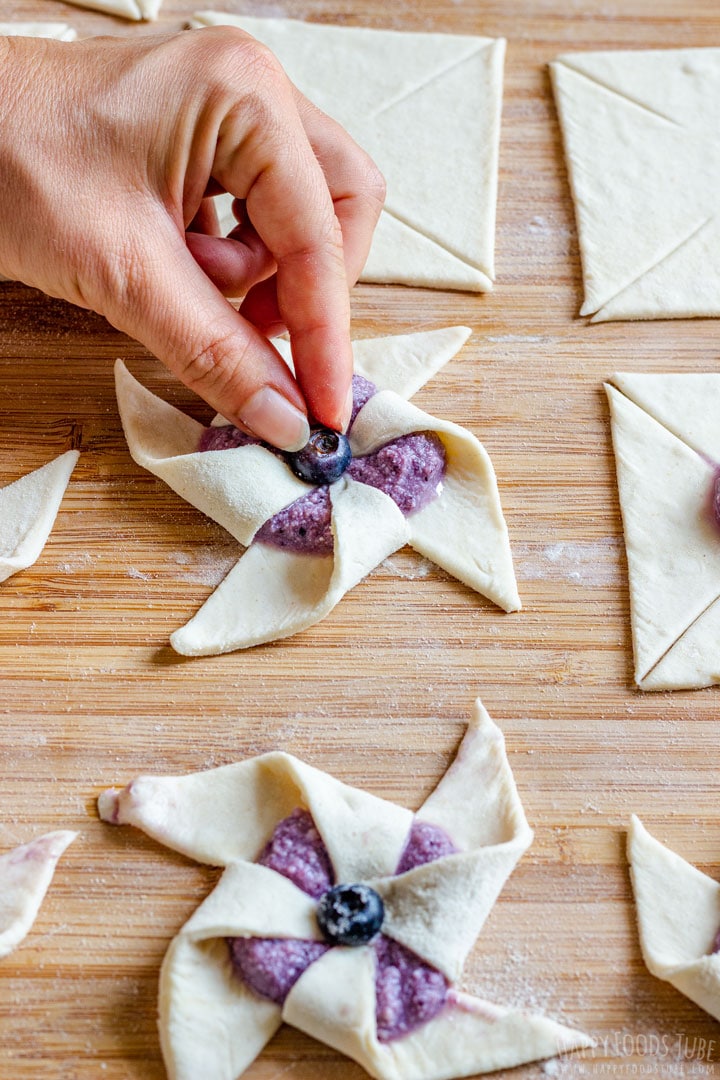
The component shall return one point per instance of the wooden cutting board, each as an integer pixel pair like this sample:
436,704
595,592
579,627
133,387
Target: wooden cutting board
378,694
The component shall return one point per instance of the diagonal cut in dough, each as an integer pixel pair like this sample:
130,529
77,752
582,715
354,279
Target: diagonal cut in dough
667,452
28,508
678,914
643,154
426,107
213,1023
25,875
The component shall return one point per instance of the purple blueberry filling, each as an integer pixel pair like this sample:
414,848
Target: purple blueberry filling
426,843
716,498
272,966
409,992
226,437
410,469
296,851
303,526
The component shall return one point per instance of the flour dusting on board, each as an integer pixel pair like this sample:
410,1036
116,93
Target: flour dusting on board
594,563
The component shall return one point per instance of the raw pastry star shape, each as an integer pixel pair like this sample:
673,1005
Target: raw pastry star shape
212,1024
642,144
28,508
25,875
272,592
678,914
667,453
426,107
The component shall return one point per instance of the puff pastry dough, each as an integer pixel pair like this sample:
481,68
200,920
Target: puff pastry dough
641,144
213,1025
667,451
25,875
128,9
28,508
272,593
58,30
678,913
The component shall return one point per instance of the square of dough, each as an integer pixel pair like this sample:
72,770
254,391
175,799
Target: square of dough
642,144
667,449
426,107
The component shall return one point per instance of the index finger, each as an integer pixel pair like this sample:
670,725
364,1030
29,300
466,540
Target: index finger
273,167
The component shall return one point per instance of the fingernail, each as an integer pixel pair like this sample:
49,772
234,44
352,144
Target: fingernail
271,417
347,410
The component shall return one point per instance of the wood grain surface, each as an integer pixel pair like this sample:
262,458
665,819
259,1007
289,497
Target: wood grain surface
378,694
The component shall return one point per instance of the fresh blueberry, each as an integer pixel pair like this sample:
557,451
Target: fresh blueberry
350,915
324,457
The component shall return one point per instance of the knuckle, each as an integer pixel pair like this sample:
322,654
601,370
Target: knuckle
233,60
208,367
374,185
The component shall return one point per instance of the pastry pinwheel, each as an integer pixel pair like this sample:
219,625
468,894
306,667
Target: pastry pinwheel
25,875
341,914
279,586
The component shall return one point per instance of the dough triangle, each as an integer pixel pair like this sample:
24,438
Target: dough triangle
397,246
682,85
28,508
25,876
694,660
672,543
678,912
687,405
696,259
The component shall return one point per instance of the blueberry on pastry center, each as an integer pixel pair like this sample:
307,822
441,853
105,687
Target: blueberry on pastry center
324,458
410,469
350,915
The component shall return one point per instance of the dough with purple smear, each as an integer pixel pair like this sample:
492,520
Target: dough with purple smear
256,953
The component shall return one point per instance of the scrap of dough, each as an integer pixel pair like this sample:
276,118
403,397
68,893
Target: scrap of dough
28,508
641,143
678,913
139,10
25,875
272,593
426,107
212,1024
667,451
59,31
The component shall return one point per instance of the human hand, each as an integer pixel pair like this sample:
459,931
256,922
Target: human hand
109,149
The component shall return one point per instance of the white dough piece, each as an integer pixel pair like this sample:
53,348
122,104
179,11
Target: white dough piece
667,455
272,593
28,508
641,144
678,913
25,875
59,31
138,10
212,1024
426,107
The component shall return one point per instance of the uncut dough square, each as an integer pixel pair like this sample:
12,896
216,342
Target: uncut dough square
642,143
426,107
667,449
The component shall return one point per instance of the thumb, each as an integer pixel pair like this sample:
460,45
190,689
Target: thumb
166,301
